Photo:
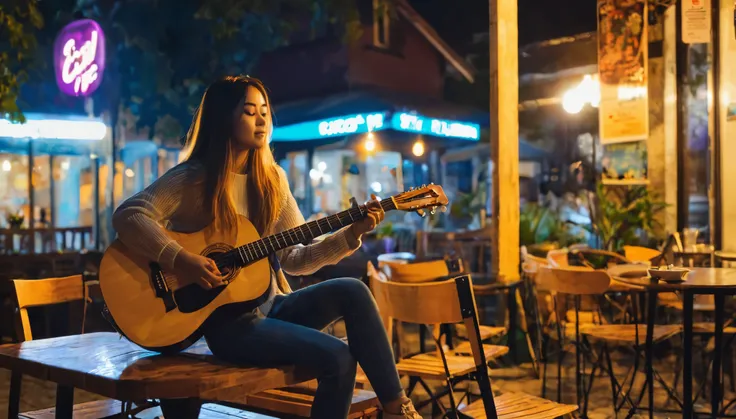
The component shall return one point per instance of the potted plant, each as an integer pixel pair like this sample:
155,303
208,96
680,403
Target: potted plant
623,215
465,208
542,230
15,220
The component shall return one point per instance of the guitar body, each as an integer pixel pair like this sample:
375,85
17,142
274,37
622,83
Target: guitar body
153,312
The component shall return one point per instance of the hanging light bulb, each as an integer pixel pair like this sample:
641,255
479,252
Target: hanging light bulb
418,148
370,142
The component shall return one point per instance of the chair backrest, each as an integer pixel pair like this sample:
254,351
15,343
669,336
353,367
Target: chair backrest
423,303
558,258
43,292
417,272
578,280
640,254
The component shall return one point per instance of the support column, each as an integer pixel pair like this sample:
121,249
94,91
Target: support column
504,133
31,199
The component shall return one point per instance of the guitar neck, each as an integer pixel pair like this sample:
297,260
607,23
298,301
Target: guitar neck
302,234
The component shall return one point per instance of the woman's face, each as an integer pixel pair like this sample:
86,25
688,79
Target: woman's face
251,121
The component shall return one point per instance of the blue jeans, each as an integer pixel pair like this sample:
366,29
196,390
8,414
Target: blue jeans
290,335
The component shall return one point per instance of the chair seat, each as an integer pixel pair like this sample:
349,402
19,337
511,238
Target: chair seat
519,405
428,365
492,351
629,332
710,328
486,332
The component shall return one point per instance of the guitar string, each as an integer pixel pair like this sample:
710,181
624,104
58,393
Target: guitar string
173,282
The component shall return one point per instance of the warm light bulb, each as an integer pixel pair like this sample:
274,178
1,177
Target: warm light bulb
129,172
370,143
573,101
6,166
418,148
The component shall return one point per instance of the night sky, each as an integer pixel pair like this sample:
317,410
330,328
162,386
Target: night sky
538,19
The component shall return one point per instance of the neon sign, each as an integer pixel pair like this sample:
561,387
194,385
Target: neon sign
362,123
344,125
79,58
411,122
350,125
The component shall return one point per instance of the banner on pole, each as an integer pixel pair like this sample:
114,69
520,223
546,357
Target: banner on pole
623,70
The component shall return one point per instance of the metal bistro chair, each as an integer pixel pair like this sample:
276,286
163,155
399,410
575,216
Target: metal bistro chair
448,302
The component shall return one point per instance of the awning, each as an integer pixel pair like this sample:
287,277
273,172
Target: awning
527,152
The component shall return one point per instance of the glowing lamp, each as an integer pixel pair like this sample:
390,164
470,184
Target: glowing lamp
79,57
418,148
370,142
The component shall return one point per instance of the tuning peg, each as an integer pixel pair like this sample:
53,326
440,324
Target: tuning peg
433,210
443,208
421,213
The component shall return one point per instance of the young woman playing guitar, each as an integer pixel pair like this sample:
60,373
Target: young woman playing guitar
229,171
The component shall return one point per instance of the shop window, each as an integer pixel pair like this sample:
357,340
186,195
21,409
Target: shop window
381,24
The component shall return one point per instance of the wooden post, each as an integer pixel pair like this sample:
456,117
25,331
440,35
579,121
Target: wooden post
504,133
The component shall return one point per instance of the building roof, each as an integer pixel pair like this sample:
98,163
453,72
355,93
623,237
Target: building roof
367,101
421,25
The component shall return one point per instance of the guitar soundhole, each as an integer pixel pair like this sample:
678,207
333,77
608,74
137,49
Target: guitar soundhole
193,297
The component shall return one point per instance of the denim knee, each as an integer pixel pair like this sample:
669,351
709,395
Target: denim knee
352,288
342,364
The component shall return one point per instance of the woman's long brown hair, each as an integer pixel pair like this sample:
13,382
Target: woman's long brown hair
209,142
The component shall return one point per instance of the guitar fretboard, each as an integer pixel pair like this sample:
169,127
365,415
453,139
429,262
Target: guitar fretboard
303,234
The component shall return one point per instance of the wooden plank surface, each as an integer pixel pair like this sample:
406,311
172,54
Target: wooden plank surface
107,408
113,367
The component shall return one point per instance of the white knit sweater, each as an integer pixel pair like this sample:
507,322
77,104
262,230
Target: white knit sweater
172,202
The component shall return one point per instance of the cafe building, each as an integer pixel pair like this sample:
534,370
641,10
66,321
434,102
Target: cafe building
368,117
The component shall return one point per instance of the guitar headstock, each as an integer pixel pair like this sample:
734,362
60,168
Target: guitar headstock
429,197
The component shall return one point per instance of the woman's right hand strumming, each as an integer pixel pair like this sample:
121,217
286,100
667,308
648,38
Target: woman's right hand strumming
191,268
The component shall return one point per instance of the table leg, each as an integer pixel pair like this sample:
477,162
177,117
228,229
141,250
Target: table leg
687,371
64,402
181,408
651,314
16,379
717,355
513,314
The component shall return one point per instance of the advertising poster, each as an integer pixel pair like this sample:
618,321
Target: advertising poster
622,70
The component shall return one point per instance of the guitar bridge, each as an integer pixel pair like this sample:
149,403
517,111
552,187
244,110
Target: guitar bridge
158,281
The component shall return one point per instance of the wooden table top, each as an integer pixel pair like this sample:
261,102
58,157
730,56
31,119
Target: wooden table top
727,256
106,364
703,279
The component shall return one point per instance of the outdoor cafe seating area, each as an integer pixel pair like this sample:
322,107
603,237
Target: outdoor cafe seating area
583,333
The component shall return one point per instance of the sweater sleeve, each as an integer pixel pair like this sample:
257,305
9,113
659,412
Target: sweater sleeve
139,220
325,250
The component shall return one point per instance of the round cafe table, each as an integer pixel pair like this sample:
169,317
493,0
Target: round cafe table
718,282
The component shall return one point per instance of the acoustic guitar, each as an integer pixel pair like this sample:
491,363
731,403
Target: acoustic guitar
156,311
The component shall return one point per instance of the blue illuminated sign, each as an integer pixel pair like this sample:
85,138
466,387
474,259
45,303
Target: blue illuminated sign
442,128
352,124
362,123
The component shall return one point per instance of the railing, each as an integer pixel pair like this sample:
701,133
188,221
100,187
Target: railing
44,240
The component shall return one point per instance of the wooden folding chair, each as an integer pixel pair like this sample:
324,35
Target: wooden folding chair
448,302
582,281
421,272
46,292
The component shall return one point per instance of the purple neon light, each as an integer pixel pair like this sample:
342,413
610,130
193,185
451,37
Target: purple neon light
79,57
